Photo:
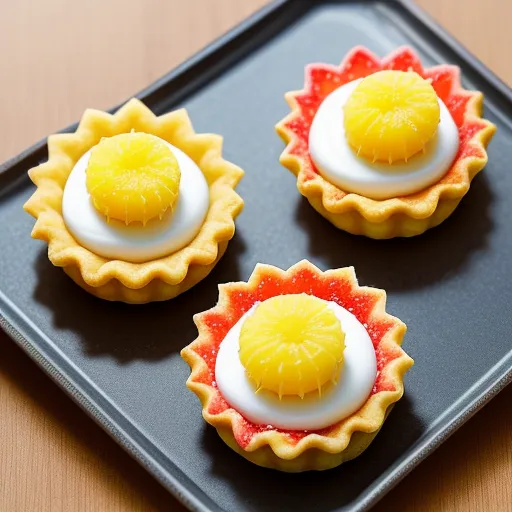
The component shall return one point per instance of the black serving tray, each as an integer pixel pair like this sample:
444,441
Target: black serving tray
452,285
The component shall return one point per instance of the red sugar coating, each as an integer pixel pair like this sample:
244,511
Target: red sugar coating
442,80
340,290
457,104
218,405
322,79
404,60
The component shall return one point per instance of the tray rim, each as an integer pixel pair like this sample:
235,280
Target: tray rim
497,378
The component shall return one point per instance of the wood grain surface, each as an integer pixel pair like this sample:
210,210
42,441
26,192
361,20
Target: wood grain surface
59,57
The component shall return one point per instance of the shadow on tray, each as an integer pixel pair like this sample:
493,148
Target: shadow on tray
130,332
405,264
320,491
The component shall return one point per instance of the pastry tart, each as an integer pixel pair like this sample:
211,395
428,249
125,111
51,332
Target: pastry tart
384,148
297,369
135,207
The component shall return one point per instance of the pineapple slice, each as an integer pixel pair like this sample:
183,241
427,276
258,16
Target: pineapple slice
133,177
391,115
292,345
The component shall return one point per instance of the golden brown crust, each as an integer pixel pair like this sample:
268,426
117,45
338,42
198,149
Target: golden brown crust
335,439
159,279
401,216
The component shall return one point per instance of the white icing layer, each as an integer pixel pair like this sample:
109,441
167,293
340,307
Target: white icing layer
338,163
355,383
137,243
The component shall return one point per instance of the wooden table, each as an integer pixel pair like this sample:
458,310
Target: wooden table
54,65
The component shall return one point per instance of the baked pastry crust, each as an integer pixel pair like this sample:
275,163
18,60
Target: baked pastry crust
401,216
296,451
155,280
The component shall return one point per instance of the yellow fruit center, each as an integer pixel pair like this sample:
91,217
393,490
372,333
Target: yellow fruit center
292,345
133,177
391,115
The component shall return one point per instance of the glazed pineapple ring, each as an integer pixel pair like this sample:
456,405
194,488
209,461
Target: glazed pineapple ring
292,345
391,115
133,177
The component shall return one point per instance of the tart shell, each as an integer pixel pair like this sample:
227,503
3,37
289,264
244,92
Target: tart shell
116,280
296,451
401,216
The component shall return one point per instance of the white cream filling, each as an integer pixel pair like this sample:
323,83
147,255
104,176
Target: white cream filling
338,163
137,243
355,383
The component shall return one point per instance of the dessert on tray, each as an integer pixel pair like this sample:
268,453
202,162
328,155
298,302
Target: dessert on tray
135,207
384,148
298,369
